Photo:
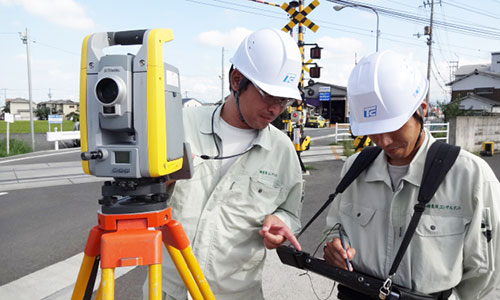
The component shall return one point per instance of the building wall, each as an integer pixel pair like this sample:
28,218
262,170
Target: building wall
69,108
470,132
455,95
16,107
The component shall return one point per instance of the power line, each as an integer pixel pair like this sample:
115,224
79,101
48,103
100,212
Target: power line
480,31
337,27
473,10
49,46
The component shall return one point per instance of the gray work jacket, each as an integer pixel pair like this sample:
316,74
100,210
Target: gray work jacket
222,218
449,248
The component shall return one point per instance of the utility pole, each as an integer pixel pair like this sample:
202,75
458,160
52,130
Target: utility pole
428,31
300,39
222,78
4,96
25,38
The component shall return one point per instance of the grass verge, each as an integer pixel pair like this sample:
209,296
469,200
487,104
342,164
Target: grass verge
16,147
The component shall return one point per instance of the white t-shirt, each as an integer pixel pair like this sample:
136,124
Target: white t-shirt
234,141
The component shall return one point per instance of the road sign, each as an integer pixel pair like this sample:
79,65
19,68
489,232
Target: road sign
299,17
55,119
295,116
9,118
324,93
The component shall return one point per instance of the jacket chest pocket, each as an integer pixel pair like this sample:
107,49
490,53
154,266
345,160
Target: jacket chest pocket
440,226
360,215
264,192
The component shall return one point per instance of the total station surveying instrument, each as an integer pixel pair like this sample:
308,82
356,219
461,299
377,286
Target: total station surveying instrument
131,130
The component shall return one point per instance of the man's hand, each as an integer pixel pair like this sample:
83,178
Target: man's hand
336,255
275,232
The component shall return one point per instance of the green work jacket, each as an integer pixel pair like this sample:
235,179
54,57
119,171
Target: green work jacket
222,217
449,249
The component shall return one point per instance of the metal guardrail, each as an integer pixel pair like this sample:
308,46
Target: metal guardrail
343,133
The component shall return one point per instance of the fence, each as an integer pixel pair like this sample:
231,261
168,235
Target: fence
342,132
440,131
437,130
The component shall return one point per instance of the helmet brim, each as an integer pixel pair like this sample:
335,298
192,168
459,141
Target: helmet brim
279,91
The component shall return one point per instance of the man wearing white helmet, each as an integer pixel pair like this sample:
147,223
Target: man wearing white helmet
245,193
456,241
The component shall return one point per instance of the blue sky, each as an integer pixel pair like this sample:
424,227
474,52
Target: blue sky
202,27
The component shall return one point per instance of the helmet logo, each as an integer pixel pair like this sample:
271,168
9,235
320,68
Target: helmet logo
370,111
416,92
290,77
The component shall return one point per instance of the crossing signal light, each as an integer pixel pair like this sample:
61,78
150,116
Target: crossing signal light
315,52
314,72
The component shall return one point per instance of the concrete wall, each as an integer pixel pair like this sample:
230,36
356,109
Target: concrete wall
470,132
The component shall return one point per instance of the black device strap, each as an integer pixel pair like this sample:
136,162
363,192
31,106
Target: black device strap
440,158
364,159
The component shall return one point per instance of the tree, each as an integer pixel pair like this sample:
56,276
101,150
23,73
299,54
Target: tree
42,113
73,116
452,109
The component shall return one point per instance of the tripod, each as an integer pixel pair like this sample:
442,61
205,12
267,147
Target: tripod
122,239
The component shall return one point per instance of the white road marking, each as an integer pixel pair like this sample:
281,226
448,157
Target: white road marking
41,155
3,193
48,282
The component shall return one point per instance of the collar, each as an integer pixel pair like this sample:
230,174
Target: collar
378,170
263,138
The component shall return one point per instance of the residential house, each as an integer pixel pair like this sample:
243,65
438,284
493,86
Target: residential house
20,108
60,107
477,87
191,102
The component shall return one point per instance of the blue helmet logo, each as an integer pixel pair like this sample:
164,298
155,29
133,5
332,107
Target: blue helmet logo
289,78
370,111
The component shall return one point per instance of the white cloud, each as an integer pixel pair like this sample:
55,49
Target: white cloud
230,39
66,13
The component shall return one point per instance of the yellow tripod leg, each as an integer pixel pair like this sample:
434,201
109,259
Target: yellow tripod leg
197,273
183,270
98,294
83,277
155,292
108,284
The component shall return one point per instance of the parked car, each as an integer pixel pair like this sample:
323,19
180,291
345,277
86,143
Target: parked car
316,121
76,127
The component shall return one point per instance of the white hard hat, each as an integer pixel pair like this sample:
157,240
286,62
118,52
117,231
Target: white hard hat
383,91
270,59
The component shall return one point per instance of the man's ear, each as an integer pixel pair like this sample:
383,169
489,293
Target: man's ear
236,77
424,107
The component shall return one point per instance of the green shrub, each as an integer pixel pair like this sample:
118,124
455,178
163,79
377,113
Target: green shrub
348,148
16,147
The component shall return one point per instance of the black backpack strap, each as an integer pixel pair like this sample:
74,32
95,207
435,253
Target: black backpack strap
440,158
364,159
361,163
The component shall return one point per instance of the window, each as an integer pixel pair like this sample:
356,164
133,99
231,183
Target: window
483,91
